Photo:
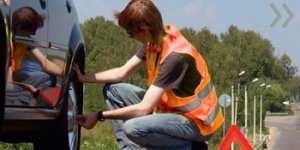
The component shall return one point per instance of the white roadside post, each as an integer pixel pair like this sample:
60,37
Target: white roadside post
232,104
246,107
261,107
232,110
237,99
234,107
254,121
246,111
238,95
260,117
260,111
224,125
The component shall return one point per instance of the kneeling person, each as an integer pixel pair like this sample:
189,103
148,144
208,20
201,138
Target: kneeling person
180,105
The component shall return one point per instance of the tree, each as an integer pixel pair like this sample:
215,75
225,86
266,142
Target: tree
287,66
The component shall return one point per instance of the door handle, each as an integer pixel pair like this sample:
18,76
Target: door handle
43,4
31,41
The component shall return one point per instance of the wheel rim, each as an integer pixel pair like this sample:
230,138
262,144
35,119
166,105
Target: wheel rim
73,128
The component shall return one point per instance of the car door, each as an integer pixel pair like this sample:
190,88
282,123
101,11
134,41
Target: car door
61,20
37,37
30,22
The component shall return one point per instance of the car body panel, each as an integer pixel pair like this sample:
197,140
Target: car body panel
59,39
41,36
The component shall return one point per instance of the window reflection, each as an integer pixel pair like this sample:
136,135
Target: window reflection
32,77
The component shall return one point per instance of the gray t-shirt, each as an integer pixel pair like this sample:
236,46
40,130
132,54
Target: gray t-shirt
178,72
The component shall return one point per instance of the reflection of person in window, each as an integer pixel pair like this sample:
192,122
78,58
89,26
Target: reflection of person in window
25,22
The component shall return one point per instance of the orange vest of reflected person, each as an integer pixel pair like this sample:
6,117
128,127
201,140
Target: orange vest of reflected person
18,53
202,107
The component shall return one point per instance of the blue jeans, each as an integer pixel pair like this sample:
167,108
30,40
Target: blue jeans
17,95
162,131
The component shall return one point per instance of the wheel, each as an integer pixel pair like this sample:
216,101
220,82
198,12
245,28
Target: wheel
73,127
65,135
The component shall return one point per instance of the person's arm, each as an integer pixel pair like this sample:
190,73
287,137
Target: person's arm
150,100
111,75
10,74
48,65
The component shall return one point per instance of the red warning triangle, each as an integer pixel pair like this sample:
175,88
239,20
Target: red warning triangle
234,134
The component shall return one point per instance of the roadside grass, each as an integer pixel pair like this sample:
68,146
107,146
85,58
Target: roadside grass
99,138
20,146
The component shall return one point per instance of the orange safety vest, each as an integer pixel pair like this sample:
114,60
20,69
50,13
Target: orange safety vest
18,53
202,107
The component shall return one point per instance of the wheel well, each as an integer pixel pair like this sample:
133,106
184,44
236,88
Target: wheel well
80,60
60,129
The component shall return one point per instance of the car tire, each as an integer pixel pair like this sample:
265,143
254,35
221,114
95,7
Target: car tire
65,135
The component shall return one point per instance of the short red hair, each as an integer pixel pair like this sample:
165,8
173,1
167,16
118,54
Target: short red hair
26,19
141,14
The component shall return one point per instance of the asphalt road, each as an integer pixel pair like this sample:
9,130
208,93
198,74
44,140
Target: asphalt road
285,130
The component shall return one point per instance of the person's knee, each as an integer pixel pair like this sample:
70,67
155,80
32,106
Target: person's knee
133,130
113,89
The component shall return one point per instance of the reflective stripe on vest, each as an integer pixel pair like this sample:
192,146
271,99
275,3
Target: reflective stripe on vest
212,116
197,102
215,124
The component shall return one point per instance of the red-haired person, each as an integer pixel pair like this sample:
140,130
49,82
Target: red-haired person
28,65
25,22
180,105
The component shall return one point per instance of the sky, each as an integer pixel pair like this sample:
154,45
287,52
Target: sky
217,16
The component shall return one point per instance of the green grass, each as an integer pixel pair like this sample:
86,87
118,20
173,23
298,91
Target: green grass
99,138
20,146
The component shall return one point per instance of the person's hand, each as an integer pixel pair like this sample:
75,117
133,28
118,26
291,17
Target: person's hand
7,2
88,121
28,87
78,72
